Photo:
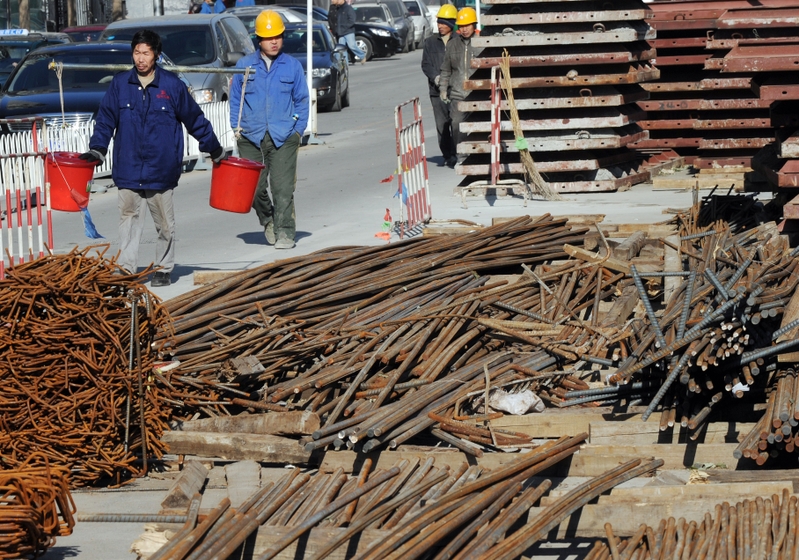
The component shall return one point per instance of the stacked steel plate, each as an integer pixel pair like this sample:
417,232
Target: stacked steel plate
576,67
714,102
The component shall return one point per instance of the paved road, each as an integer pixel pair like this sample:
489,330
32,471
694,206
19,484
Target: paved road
340,199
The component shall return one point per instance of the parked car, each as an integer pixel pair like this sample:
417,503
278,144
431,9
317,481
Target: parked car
32,89
206,40
374,39
379,12
85,33
421,20
402,18
16,43
331,76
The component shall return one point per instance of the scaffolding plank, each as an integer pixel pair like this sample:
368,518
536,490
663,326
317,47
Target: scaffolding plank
612,34
558,56
565,98
653,143
600,119
678,42
634,76
554,142
772,90
706,83
789,147
565,17
759,17
734,143
702,104
572,165
762,58
683,59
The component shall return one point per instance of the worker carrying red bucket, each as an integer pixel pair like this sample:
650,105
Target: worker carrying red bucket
146,107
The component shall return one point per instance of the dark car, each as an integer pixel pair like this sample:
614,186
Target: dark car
16,43
85,33
32,89
204,40
331,77
391,13
374,39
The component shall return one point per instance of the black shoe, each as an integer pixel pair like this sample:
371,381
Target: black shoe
452,162
160,279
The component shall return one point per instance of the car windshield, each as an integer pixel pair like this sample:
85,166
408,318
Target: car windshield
367,14
187,45
14,52
294,41
413,8
35,76
84,36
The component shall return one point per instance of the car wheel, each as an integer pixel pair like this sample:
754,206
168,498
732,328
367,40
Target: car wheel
365,45
345,99
336,107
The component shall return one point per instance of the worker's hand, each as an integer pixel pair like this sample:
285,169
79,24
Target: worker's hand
443,96
219,154
93,156
438,79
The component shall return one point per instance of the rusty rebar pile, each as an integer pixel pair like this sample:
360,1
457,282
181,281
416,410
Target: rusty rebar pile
385,343
70,379
749,529
423,511
35,508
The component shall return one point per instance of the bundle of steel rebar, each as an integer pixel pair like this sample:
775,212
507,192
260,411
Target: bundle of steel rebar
383,343
749,529
74,382
35,508
415,506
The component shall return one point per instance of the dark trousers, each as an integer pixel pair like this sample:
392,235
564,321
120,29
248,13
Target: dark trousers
443,128
458,117
279,176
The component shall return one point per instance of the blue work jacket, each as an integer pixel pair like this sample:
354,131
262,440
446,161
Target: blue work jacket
148,144
277,99
219,7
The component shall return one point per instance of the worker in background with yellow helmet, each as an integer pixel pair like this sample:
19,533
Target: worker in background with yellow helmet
455,70
274,114
432,57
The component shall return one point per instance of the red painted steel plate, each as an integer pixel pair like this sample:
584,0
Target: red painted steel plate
759,17
600,118
565,98
584,164
589,140
612,34
733,143
789,147
682,59
727,124
773,90
702,104
708,83
678,42
652,143
710,162
762,58
682,25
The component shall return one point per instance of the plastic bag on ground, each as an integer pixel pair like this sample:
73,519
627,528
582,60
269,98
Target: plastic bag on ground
516,403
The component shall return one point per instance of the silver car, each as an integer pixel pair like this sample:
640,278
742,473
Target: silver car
422,23
205,40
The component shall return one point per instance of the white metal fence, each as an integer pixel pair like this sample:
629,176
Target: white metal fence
76,139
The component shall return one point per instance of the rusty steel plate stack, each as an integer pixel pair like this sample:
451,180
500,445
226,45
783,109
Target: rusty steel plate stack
706,105
576,67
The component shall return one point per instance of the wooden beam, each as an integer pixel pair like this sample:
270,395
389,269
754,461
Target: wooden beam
622,307
646,433
243,480
237,447
190,481
554,425
210,276
594,258
295,422
630,247
672,263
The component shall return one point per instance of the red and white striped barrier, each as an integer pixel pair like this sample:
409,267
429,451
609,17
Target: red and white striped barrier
23,190
412,178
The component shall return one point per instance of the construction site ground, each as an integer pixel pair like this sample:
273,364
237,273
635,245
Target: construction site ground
344,188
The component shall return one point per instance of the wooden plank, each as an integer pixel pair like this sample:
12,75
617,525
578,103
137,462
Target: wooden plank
237,447
295,422
609,263
672,263
708,182
622,307
571,219
593,460
719,476
548,425
243,480
630,247
652,230
646,433
210,276
191,480
308,545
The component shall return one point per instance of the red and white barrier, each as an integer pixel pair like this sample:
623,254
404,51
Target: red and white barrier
412,178
23,191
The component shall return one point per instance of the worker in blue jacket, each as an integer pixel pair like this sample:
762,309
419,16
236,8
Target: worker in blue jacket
213,7
269,125
143,110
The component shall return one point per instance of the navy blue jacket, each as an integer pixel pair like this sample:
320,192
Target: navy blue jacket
148,145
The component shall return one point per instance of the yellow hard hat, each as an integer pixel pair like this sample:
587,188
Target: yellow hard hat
466,16
447,11
269,24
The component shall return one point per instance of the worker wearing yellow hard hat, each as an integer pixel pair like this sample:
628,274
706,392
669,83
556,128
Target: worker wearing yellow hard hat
455,71
432,57
269,124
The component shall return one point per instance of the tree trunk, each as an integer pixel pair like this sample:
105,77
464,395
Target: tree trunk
24,14
116,11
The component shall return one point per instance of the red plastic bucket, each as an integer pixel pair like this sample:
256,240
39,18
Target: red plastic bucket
69,176
233,183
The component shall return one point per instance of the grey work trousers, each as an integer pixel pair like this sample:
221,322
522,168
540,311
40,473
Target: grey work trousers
278,176
443,128
131,225
458,117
